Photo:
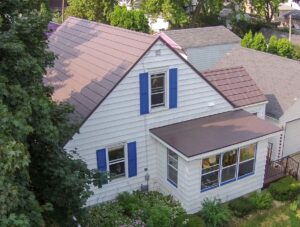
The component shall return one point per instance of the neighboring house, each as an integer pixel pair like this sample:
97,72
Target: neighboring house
150,120
295,19
204,46
279,79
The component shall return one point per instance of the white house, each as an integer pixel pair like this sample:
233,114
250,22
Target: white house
277,77
150,119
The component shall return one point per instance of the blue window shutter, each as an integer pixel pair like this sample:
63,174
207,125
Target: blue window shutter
144,93
173,90
132,161
101,160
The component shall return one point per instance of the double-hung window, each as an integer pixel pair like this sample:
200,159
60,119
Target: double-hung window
116,162
210,172
229,161
158,96
172,171
247,156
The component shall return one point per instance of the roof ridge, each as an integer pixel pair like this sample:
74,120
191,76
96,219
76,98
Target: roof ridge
224,69
197,28
111,26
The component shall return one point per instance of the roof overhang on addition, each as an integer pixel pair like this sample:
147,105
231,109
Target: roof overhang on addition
195,138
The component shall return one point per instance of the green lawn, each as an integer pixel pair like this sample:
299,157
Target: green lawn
278,216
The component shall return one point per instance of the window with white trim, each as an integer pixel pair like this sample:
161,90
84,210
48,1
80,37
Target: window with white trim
158,90
172,165
116,162
221,169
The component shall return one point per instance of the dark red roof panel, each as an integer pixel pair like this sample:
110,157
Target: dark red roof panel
236,85
92,59
214,132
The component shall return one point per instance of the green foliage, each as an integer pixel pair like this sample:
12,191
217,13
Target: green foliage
136,209
215,213
130,19
189,221
266,8
296,52
284,48
259,42
247,40
40,184
95,10
272,47
172,11
207,11
240,207
262,200
285,189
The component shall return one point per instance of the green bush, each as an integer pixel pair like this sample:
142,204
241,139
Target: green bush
262,200
272,48
284,48
215,213
259,42
189,221
285,189
241,206
247,40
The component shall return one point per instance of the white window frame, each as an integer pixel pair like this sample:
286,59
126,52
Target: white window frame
114,147
166,89
237,165
213,171
171,166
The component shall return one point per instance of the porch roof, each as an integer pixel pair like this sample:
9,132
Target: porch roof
214,132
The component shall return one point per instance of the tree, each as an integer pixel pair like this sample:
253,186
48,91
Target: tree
272,47
206,11
266,8
259,42
172,11
130,19
247,40
284,48
95,10
40,183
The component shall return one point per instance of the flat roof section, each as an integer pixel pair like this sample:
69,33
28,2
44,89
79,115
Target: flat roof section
214,132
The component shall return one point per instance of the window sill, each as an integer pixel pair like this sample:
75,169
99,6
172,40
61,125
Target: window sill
158,109
172,183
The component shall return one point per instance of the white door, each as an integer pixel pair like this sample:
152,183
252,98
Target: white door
292,138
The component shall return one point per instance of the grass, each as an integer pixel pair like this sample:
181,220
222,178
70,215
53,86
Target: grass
279,215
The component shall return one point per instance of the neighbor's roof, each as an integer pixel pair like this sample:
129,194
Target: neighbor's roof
214,132
206,36
277,77
236,84
92,59
295,14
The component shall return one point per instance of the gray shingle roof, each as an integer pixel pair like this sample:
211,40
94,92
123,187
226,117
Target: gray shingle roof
206,36
277,77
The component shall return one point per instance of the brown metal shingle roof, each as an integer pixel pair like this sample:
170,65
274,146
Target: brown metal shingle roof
214,132
236,84
92,59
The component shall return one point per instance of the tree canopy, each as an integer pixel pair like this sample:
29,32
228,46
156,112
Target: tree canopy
172,11
95,10
40,183
266,8
130,19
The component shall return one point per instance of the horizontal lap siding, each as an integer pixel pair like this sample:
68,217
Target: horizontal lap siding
118,119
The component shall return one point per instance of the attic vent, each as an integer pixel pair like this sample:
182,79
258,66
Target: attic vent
157,52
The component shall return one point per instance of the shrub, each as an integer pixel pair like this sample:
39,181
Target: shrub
272,48
247,40
241,206
285,189
259,42
284,48
189,221
215,213
262,200
296,52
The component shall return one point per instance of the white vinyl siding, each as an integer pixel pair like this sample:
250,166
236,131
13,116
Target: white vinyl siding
118,120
